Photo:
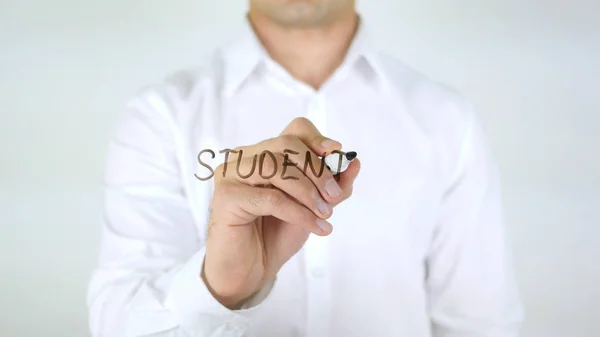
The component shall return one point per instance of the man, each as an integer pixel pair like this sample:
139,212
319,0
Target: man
194,247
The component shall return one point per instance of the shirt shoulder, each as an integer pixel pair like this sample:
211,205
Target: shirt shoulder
182,92
435,106
442,114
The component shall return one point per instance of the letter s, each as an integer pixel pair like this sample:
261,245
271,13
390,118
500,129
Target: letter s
212,172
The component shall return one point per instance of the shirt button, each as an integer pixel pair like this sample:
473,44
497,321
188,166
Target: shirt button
318,272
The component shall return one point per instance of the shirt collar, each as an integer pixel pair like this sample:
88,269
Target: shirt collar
241,57
245,54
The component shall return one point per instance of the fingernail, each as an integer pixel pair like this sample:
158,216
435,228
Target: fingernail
328,143
324,225
332,188
323,207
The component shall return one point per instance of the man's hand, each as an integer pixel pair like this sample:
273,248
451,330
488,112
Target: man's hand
258,224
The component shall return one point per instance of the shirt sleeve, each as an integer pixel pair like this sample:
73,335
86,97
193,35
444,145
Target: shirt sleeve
471,286
147,281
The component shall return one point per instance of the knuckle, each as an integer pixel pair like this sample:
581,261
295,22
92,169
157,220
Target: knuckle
348,192
316,139
222,190
254,200
247,161
222,196
219,172
273,197
300,121
267,164
280,157
288,141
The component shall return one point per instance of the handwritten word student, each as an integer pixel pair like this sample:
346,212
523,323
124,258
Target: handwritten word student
407,242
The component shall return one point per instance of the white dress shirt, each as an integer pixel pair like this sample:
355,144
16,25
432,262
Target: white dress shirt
418,250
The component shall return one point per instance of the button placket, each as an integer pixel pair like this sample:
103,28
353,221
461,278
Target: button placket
318,272
317,112
316,247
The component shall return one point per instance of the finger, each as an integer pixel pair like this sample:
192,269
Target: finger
288,178
308,133
259,201
312,166
347,178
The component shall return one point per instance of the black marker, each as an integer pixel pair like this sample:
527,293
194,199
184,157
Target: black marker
333,161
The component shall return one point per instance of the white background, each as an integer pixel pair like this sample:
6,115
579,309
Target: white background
532,67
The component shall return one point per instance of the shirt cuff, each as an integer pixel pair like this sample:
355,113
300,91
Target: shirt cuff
189,298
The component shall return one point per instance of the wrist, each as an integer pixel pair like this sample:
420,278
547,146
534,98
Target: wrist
231,297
